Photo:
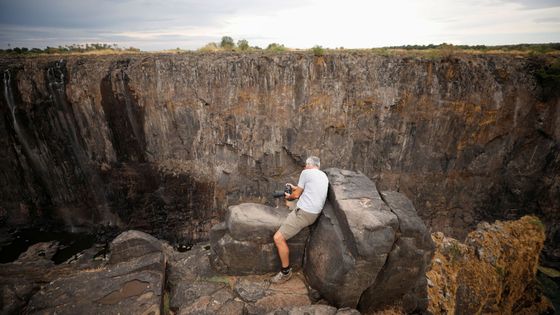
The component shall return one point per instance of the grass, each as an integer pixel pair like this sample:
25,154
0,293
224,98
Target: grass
218,279
538,223
454,252
166,299
426,51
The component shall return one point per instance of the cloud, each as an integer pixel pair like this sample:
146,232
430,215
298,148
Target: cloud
152,25
536,4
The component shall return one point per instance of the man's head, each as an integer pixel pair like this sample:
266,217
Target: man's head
312,162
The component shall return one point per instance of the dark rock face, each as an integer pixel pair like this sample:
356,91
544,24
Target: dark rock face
352,239
403,276
131,283
366,250
165,143
243,244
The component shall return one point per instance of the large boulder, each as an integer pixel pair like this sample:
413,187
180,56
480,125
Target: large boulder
364,246
132,282
403,274
243,244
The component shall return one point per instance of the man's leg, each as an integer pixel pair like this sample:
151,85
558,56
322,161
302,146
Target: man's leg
284,252
283,249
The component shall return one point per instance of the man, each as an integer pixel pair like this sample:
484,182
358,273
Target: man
312,192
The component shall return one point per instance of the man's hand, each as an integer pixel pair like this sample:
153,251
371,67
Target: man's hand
296,192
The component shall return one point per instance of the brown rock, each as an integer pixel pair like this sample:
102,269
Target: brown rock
133,282
493,272
243,244
466,137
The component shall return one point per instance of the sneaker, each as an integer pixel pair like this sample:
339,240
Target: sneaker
280,277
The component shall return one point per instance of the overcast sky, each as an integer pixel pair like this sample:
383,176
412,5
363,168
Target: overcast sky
190,24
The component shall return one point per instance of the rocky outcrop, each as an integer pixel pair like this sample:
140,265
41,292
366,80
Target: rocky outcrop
35,268
132,282
140,274
366,249
196,288
165,143
243,244
493,272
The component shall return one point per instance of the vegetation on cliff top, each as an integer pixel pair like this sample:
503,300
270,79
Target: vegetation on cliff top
227,44
94,48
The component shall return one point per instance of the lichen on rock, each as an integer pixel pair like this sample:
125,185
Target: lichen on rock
492,272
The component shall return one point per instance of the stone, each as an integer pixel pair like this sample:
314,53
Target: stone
351,242
251,290
403,274
131,282
243,244
291,293
303,310
463,283
254,222
133,244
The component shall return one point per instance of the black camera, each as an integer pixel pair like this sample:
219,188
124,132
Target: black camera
279,193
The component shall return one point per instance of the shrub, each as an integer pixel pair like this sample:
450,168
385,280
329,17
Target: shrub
227,43
276,47
243,44
548,78
210,47
318,50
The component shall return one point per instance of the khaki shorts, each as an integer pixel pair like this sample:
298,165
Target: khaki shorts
296,221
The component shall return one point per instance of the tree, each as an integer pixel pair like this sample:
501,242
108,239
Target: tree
227,43
243,44
276,47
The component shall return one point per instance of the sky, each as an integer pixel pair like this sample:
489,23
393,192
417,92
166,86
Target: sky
190,24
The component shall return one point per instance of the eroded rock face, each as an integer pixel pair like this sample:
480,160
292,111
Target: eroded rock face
362,250
243,244
132,282
493,272
165,143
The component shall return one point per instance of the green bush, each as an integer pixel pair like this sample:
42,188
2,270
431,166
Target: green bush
548,78
275,47
243,44
227,43
318,50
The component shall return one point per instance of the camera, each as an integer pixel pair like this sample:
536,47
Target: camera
279,193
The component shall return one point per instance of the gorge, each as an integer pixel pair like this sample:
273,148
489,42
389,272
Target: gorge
164,143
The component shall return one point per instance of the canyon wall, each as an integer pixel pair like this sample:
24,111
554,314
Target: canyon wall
165,142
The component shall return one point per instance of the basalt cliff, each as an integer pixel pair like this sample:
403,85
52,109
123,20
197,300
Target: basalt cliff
165,143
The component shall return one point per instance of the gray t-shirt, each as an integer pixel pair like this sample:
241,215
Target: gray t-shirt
315,185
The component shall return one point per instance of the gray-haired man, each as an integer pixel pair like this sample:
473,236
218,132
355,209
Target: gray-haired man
312,193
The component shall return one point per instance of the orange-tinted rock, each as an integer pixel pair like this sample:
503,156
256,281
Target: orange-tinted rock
493,272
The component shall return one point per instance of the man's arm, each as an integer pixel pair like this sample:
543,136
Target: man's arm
296,192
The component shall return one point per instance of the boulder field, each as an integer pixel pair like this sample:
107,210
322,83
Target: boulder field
493,272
